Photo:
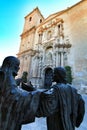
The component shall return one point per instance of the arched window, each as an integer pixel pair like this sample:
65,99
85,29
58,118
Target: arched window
40,20
40,38
49,35
59,29
30,19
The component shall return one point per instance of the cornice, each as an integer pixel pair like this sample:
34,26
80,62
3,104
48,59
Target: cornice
59,13
53,23
25,51
28,31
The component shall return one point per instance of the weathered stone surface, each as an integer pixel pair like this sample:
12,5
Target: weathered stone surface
39,48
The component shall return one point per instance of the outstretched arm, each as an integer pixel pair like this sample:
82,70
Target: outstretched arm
48,103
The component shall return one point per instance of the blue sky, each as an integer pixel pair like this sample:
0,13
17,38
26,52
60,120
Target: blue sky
12,13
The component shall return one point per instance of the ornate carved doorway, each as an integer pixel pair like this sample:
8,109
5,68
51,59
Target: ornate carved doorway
48,78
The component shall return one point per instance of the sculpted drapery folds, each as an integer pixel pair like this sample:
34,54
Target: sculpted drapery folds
62,105
17,106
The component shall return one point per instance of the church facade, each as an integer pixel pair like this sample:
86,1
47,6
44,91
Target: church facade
58,40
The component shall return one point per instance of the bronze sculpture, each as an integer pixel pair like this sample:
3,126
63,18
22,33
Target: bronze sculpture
62,105
16,107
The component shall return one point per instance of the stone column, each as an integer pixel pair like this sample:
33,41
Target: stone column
57,59
29,66
22,64
62,59
43,61
40,65
56,31
25,64
54,55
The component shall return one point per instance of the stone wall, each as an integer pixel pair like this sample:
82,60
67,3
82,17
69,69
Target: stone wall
40,46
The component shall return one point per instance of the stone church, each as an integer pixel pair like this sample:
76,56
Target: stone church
58,40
